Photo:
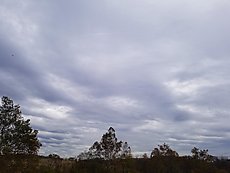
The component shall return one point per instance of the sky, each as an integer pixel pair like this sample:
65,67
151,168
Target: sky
155,70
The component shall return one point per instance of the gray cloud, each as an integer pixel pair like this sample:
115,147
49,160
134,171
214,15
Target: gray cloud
156,71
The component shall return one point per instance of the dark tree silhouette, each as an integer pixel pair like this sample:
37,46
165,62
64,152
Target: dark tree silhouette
109,144
16,135
201,154
54,156
108,148
163,150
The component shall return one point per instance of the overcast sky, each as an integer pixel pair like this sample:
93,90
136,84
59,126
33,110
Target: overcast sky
155,70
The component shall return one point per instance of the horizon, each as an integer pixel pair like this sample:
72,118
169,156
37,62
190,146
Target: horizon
156,71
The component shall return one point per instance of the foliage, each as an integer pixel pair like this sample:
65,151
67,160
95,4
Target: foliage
108,148
16,135
145,156
166,164
54,156
163,150
19,146
201,154
126,151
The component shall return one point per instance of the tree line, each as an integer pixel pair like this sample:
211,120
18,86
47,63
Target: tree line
18,138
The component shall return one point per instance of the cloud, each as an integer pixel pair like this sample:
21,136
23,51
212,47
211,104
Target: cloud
157,71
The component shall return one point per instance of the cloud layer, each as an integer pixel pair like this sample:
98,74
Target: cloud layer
157,71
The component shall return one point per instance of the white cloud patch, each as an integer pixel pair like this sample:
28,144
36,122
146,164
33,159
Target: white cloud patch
150,125
68,88
49,110
122,103
188,88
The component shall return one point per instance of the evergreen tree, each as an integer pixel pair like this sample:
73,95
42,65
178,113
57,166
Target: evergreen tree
16,135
